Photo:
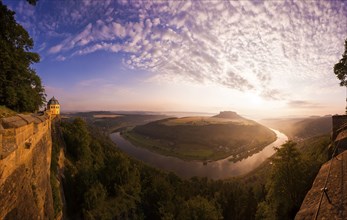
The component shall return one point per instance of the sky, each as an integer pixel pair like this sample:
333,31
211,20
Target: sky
259,58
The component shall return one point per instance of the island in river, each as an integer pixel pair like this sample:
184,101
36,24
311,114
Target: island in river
203,138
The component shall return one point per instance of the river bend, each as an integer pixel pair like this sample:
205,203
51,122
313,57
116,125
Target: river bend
219,169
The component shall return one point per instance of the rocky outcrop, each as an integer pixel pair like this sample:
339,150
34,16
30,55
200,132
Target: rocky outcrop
332,204
228,115
25,150
327,199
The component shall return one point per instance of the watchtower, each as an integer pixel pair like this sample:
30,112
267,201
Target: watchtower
53,106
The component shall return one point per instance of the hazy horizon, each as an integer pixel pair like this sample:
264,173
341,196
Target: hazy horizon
263,59
187,114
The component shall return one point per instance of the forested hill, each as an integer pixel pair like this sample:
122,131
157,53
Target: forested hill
203,138
101,182
110,185
301,128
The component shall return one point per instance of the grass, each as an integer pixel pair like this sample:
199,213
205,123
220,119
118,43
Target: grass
6,112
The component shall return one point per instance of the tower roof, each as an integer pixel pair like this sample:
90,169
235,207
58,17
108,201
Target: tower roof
53,101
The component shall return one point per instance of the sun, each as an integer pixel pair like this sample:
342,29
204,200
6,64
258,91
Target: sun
255,100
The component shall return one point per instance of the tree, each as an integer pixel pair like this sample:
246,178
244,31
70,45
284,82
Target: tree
20,87
94,196
286,185
77,140
340,68
199,208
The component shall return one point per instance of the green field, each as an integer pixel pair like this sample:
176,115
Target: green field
202,138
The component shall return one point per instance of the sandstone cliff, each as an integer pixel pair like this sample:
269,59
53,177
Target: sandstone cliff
25,158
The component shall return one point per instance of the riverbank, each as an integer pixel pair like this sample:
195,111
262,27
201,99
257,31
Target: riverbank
202,138
220,169
192,152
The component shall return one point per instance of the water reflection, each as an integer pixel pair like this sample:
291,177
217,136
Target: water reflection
215,169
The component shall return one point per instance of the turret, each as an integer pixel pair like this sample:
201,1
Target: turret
53,106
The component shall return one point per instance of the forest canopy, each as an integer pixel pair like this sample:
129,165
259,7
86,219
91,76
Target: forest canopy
101,182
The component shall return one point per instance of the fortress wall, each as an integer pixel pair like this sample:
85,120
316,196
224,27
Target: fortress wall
25,157
18,135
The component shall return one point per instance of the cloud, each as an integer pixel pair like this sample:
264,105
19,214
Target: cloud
264,47
56,48
119,30
96,47
61,58
81,39
303,104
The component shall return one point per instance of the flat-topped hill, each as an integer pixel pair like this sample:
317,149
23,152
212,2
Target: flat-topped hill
229,115
203,138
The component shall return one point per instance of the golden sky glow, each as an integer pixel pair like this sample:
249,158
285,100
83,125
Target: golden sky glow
259,58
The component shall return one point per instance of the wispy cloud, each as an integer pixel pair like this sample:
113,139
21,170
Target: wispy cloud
60,58
243,45
303,104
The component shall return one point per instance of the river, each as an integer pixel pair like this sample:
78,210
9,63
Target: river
219,169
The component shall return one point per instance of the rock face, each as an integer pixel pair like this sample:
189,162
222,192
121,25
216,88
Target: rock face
311,207
228,115
25,190
327,199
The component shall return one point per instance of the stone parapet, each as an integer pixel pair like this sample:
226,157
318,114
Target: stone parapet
13,122
27,118
21,131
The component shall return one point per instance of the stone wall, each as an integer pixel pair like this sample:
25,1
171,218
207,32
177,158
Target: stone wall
339,122
332,175
25,158
21,131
